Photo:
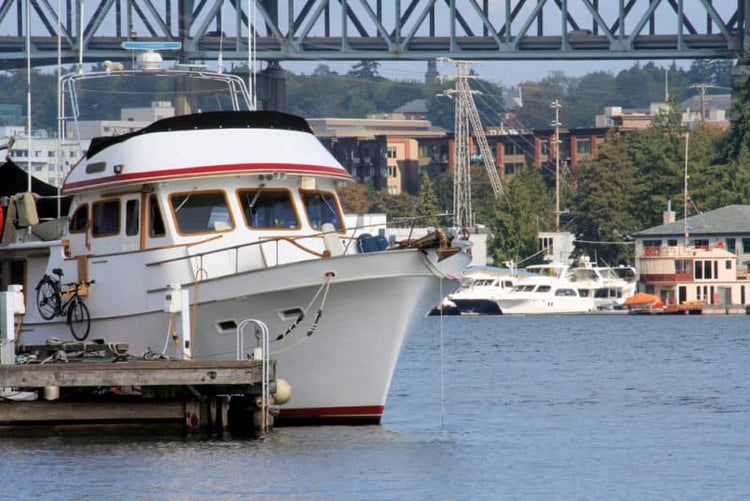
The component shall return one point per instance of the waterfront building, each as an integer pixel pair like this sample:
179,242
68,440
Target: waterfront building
704,258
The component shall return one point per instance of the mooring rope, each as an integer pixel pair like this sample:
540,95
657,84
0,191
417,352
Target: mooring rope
324,288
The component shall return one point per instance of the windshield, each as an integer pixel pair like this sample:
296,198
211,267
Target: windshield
322,208
137,96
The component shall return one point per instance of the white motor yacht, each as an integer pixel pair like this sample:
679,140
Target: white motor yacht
482,286
238,208
609,287
544,294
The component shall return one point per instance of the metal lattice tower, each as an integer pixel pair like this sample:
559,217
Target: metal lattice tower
466,112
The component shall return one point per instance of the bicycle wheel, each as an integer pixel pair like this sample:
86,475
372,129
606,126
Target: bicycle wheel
47,300
79,320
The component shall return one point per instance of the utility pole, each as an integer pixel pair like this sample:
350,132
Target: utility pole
702,91
556,124
466,112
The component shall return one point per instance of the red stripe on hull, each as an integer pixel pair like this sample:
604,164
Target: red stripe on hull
365,414
211,170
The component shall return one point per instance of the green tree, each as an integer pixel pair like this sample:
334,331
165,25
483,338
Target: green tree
366,70
427,202
323,70
402,206
354,198
739,137
658,156
525,209
639,86
605,195
587,97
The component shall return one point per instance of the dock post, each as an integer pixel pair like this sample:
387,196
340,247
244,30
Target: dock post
178,302
11,304
186,331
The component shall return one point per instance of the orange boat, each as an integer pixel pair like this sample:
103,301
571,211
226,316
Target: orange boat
644,301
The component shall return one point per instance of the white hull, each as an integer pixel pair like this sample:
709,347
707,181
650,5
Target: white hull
343,369
545,305
542,295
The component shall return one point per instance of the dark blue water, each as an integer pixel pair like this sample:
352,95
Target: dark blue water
597,407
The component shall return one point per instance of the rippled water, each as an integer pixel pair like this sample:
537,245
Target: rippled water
534,407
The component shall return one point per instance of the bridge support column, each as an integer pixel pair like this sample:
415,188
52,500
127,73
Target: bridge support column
272,88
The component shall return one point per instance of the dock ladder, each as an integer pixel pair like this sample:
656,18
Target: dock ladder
264,366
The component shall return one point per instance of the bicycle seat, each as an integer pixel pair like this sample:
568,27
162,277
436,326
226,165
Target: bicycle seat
57,271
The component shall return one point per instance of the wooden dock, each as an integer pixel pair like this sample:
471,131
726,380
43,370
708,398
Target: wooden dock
199,396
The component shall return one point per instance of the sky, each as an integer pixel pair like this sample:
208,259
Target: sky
505,73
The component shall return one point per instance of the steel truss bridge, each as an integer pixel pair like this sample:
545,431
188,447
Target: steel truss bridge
329,30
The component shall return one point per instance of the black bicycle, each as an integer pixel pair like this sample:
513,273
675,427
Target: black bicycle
55,299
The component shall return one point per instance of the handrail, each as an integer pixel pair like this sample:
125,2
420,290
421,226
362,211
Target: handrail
265,379
290,239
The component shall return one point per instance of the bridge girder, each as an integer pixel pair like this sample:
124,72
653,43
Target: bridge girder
368,29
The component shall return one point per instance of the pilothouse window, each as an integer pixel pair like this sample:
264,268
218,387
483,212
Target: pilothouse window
106,218
322,208
156,223
79,219
202,212
267,208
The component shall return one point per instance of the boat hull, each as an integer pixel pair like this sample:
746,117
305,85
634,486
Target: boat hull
339,358
545,305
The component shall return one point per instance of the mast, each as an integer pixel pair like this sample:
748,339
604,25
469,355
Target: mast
28,94
685,191
466,113
556,106
251,53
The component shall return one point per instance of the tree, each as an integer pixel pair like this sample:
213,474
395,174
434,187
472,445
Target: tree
588,96
525,209
354,199
739,137
640,86
605,195
323,70
427,202
395,206
658,156
366,70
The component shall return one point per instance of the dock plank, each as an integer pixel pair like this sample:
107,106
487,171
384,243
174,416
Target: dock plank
45,412
133,373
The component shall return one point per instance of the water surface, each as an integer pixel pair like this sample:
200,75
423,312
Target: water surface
598,406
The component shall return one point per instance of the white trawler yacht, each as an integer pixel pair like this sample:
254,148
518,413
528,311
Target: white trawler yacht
240,209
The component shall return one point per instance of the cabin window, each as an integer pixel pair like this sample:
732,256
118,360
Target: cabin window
131,217
203,212
322,208
264,208
156,222
698,270
106,218
700,243
728,264
79,219
565,292
707,269
543,288
683,266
